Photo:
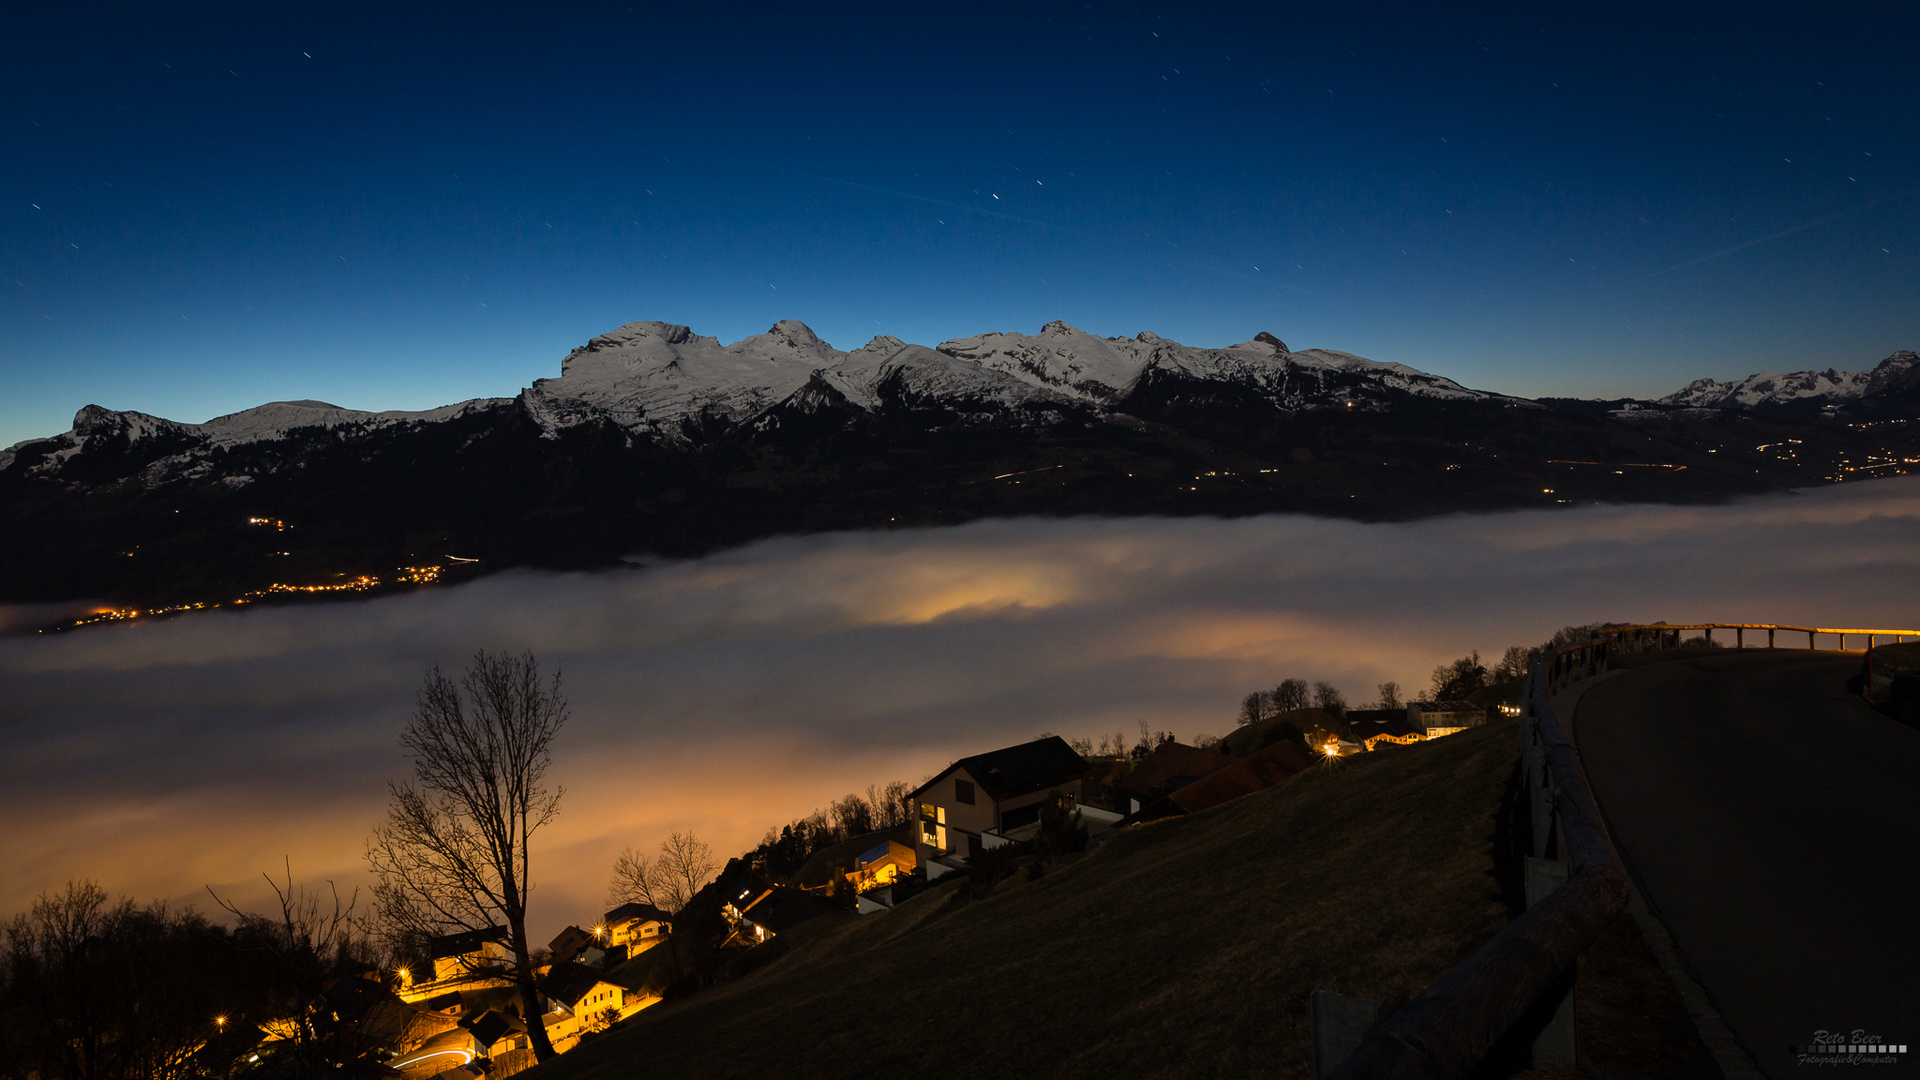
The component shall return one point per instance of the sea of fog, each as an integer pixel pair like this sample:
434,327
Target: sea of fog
733,693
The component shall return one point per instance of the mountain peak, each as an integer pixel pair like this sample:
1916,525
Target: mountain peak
794,333
1268,339
633,332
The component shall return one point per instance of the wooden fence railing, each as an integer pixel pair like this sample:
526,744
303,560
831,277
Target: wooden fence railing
1445,1031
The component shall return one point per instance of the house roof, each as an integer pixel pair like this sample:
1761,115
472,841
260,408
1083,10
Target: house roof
1394,722
568,983
782,909
1256,772
570,943
492,1026
471,941
1018,770
1170,760
885,848
636,910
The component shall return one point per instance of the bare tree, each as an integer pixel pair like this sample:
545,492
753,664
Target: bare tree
295,952
889,804
1389,692
635,882
667,881
95,989
852,816
1460,678
1250,709
1328,698
685,864
454,853
1291,694
302,927
1515,663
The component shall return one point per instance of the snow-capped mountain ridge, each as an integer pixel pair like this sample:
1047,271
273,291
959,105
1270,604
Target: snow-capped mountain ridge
663,383
663,380
1832,387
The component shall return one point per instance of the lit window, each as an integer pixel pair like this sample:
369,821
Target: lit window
940,815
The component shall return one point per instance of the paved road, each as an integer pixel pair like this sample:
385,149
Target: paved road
1774,823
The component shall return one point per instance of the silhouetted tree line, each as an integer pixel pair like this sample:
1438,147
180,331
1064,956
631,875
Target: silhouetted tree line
100,989
1117,745
1454,681
785,851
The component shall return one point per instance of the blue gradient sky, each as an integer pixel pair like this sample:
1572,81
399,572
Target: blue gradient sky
397,207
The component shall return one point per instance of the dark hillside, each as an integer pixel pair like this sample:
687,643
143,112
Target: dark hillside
1186,948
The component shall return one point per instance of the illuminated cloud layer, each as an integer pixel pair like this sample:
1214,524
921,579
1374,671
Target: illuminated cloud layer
732,693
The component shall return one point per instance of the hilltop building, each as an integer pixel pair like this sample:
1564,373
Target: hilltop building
467,961
1437,718
987,799
1170,767
635,927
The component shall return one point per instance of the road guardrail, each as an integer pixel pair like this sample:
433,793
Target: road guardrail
1527,969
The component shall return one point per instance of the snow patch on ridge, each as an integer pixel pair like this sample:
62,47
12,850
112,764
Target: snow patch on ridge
662,381
1768,389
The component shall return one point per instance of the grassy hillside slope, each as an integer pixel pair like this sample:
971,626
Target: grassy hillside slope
1183,948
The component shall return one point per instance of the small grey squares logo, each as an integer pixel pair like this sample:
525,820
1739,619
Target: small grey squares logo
1854,1047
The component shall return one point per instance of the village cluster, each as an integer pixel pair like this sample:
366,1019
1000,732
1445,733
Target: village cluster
456,1013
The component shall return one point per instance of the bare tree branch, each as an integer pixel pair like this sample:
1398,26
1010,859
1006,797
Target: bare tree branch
454,853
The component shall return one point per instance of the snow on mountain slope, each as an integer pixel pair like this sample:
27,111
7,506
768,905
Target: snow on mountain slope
919,372
653,376
665,380
1103,370
94,425
1060,358
276,419
662,381
1898,371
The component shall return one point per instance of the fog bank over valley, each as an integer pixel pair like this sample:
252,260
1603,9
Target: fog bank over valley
732,693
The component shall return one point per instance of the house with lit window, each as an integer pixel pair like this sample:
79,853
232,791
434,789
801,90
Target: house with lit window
1372,727
1437,718
465,961
636,927
881,866
989,799
757,909
582,1000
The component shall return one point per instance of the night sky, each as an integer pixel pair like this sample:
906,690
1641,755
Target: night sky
399,206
